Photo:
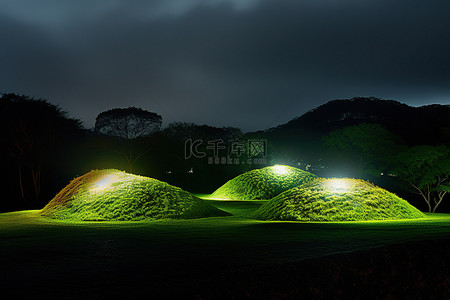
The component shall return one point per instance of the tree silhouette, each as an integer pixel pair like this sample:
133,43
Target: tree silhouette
371,147
128,126
427,171
34,132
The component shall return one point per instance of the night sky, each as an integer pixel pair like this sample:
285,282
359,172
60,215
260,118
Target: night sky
251,64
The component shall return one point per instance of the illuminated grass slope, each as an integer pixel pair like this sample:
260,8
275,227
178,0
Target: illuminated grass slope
103,195
337,200
261,184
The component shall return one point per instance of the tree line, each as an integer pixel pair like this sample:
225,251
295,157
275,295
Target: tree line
43,149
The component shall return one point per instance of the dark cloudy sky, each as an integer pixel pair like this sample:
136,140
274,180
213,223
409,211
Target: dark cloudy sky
252,64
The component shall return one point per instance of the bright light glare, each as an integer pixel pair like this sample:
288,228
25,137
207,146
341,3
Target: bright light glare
105,182
338,185
280,170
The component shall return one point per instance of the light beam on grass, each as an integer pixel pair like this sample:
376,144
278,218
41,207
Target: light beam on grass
280,170
337,185
105,182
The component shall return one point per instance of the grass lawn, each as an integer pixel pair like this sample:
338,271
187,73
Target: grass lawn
96,260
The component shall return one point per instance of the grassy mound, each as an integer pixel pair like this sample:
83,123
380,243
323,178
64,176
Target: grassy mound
115,195
263,183
337,200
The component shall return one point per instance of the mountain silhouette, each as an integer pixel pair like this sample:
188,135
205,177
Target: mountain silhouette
415,125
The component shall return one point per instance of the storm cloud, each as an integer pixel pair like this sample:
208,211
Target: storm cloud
250,64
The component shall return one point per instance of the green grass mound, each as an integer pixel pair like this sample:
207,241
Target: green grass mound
103,195
337,200
263,183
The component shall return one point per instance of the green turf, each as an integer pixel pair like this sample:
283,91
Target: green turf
238,234
263,183
102,195
337,200
92,260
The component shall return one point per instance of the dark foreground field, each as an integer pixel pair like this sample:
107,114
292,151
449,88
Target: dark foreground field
224,258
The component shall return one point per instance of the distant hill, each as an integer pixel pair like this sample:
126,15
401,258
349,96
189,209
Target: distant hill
262,184
113,195
415,125
337,199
